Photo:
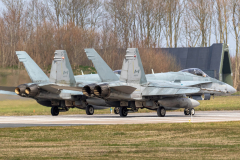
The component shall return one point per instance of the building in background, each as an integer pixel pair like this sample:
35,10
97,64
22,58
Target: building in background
214,60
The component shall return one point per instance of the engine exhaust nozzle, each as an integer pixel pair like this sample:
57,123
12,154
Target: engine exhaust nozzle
32,90
20,90
88,89
101,90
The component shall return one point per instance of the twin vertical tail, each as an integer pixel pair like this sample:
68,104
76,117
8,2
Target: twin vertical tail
61,71
104,71
34,71
132,68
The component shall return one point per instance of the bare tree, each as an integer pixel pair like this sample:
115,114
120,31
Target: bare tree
200,11
235,7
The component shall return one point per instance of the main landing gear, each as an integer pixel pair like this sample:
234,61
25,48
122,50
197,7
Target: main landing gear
54,111
123,111
189,111
89,110
161,112
116,110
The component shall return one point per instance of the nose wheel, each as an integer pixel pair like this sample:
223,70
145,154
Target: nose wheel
54,111
89,110
192,111
189,111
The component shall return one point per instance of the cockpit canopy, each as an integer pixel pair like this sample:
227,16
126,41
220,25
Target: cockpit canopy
195,71
117,72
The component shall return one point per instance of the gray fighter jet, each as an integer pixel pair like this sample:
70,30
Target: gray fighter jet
158,92
63,90
192,77
60,91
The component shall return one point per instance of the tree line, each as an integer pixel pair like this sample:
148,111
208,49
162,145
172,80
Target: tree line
42,26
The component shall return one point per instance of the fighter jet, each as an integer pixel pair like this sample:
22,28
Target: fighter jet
60,91
192,77
133,91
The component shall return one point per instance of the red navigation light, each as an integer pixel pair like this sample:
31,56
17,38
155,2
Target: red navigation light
62,57
135,56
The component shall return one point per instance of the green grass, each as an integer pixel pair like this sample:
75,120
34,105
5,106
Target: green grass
31,107
236,94
142,141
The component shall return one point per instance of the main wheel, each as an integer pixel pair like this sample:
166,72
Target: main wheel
89,110
186,112
161,112
192,111
54,111
116,110
123,111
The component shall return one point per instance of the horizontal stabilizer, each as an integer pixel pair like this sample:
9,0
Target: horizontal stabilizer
10,89
104,71
8,93
35,73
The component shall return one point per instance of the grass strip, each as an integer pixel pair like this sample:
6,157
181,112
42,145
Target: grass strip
142,141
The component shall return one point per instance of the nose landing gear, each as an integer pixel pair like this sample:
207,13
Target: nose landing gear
189,111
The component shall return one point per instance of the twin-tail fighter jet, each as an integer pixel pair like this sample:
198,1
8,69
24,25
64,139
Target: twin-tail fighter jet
161,91
61,91
129,92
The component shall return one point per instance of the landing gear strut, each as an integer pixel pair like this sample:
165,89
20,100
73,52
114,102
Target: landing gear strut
123,111
89,110
116,110
161,112
54,111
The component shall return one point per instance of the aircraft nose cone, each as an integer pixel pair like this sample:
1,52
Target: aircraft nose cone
194,103
231,90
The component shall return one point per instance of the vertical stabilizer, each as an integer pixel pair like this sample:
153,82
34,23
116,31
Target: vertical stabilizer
132,68
61,71
34,71
104,71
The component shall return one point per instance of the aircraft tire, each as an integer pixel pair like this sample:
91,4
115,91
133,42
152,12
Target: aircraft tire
116,110
89,110
186,112
54,111
123,111
191,111
161,112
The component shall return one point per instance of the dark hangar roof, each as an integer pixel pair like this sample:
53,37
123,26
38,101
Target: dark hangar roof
213,60
205,58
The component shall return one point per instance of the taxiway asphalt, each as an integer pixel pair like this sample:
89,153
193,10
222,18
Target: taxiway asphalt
132,118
